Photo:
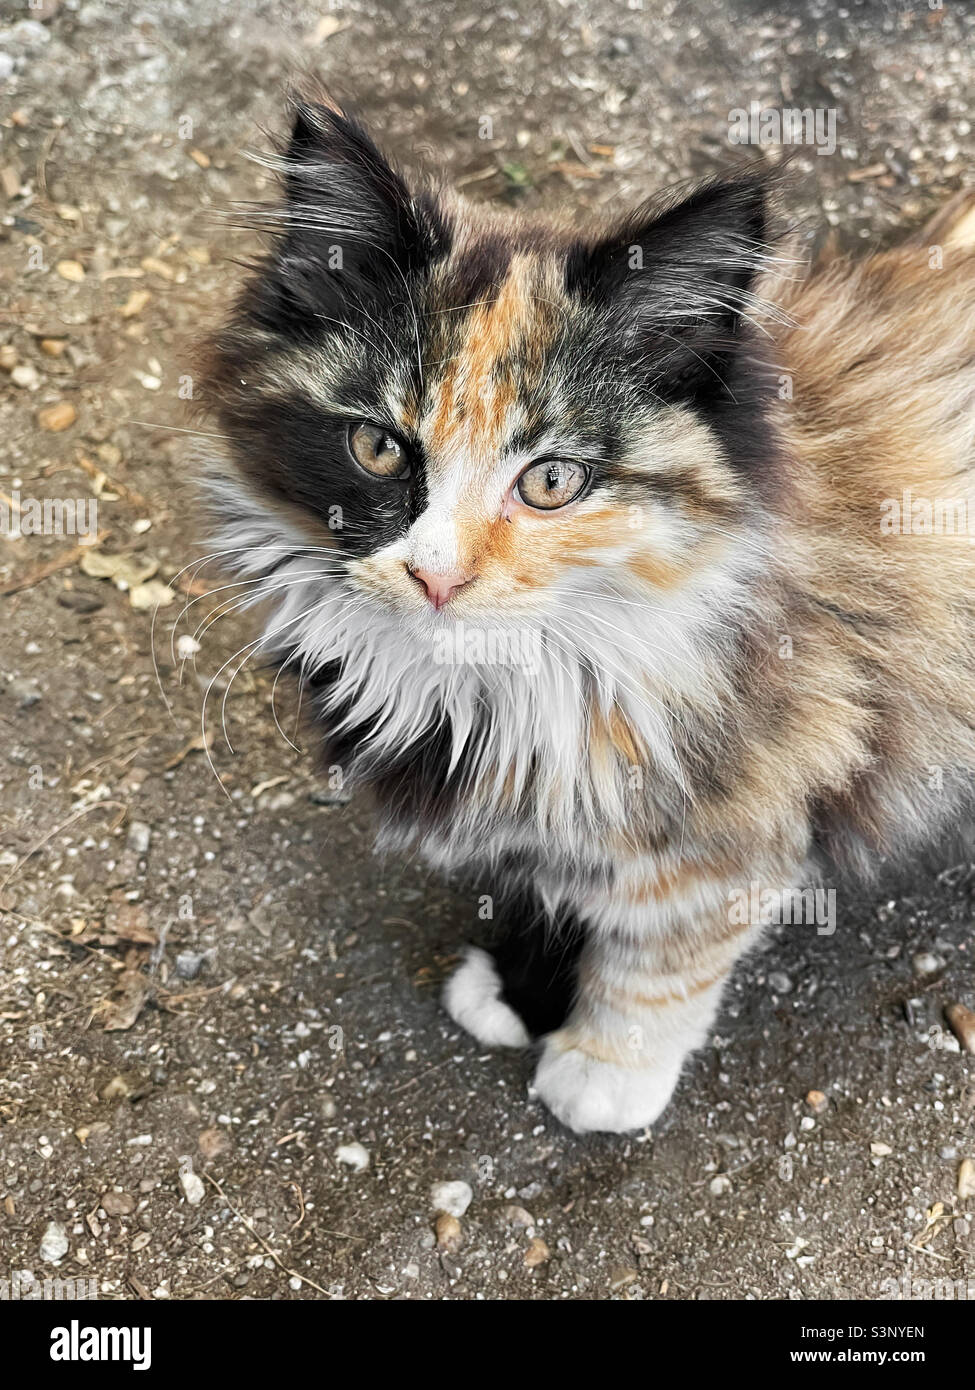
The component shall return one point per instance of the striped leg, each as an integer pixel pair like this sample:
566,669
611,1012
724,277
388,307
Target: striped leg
649,989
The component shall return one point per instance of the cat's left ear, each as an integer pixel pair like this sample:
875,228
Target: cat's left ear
677,282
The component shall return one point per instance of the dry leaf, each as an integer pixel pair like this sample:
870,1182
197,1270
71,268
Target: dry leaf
196,745
574,170
10,179
154,266
935,1222
537,1253
872,171
266,786
123,922
193,586
962,1022
124,1005
125,571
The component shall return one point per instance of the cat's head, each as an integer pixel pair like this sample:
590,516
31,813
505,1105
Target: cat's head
470,414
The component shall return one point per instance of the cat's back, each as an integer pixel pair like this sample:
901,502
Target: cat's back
878,424
880,361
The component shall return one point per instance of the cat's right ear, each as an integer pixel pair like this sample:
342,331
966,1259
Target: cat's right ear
350,226
677,277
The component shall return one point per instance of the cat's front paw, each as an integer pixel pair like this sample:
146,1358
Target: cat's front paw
588,1094
473,998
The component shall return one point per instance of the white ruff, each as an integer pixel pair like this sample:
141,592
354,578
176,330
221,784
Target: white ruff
608,648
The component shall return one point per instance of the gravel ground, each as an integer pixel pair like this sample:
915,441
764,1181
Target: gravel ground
224,1069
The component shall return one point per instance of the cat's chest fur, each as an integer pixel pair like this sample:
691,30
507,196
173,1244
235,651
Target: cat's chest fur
489,744
568,748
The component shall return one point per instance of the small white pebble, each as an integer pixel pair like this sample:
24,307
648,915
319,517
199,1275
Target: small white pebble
451,1197
355,1156
192,1185
925,963
139,836
54,1243
26,376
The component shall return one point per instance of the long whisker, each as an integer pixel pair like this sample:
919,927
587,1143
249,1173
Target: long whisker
237,584
226,694
240,603
254,646
274,712
177,429
259,588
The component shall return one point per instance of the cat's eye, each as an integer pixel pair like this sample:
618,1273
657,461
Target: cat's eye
552,483
378,452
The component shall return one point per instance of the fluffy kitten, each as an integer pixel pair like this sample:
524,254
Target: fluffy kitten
578,543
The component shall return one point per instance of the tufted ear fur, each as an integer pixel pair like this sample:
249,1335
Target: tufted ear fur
351,230
677,282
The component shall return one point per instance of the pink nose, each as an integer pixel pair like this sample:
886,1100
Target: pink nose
440,588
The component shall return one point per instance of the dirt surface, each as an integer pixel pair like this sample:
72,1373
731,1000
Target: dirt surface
210,995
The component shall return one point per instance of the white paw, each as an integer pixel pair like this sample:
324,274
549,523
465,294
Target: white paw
472,997
586,1094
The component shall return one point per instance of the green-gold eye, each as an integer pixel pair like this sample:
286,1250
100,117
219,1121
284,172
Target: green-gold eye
552,483
378,452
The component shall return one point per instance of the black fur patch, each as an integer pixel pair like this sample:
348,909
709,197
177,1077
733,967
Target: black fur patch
538,960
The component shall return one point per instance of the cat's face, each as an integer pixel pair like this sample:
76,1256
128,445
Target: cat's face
485,418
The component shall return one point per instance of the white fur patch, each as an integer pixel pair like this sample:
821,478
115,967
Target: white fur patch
589,1095
472,997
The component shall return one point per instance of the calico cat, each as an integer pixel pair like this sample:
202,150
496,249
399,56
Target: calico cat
582,544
